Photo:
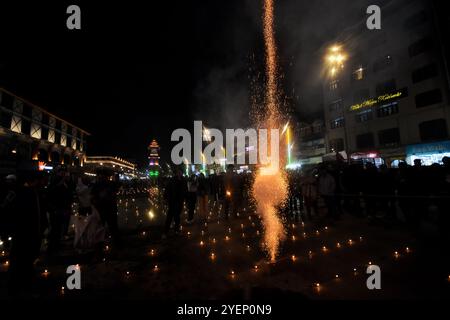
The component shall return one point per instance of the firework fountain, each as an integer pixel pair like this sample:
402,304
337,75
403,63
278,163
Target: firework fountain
270,186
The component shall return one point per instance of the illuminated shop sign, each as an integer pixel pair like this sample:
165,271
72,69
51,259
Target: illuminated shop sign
381,99
429,148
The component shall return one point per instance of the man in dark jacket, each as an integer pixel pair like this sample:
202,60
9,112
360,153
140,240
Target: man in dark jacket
175,194
104,199
27,234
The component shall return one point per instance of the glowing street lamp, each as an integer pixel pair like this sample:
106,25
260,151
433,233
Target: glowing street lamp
335,58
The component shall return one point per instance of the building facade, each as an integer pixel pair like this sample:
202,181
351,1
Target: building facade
32,136
391,92
312,142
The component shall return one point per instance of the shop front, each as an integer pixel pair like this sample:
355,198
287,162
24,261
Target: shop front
429,153
367,157
393,156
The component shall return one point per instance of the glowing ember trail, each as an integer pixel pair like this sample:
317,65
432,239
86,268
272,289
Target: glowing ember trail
270,187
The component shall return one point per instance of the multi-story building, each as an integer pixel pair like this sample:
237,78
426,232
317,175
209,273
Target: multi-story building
35,138
386,97
311,148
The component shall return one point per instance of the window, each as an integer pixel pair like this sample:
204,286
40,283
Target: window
387,109
424,73
361,95
305,131
364,141
5,118
27,110
382,63
317,127
433,130
364,116
358,74
389,137
7,100
428,98
336,105
337,123
337,145
334,85
416,20
45,119
386,87
58,124
421,46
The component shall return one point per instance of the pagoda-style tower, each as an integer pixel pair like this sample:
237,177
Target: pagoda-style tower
153,158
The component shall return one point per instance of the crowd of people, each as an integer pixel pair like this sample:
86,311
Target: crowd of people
407,194
36,210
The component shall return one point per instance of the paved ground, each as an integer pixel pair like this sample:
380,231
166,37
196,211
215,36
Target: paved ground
182,267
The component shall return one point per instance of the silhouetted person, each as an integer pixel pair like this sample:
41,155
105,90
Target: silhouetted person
8,203
203,192
175,194
60,200
444,202
191,198
310,195
386,190
369,189
230,191
104,199
27,234
326,186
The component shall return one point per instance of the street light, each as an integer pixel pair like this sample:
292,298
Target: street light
335,59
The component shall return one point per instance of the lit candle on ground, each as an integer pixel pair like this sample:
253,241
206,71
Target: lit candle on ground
294,258
338,245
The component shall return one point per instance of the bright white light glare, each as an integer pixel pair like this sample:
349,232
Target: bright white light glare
293,166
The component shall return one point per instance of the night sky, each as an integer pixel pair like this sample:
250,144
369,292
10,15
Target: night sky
138,71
